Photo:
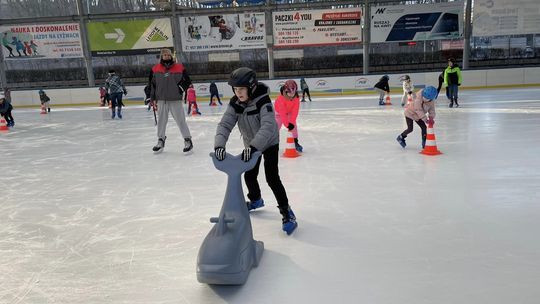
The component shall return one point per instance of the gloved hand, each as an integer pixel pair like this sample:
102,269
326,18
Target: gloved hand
290,127
431,121
410,92
220,153
125,92
246,154
459,84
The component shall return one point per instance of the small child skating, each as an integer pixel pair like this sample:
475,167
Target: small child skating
44,100
382,88
287,105
102,93
5,110
252,109
408,88
423,104
192,100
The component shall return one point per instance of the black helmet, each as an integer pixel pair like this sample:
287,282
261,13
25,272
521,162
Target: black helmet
243,77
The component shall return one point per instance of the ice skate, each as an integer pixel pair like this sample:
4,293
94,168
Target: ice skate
401,141
252,205
289,223
297,146
160,145
188,145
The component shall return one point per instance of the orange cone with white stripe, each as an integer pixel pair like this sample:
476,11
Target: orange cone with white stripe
3,125
431,144
290,149
387,102
43,109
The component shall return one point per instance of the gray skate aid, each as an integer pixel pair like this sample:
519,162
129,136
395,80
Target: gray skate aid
229,251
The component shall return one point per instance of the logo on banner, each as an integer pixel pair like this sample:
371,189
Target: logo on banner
202,88
360,82
380,10
322,84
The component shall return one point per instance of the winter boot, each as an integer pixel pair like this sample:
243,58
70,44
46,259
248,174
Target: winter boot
252,205
423,141
119,113
451,105
401,140
297,146
289,223
113,114
49,110
160,145
457,104
188,144
381,102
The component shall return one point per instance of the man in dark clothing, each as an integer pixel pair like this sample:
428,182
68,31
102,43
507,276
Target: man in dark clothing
214,92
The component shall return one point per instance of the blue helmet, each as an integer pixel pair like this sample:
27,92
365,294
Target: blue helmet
430,92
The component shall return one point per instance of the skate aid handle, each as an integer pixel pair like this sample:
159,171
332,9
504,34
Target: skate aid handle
216,220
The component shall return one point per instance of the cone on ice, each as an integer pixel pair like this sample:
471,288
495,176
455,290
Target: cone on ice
3,125
387,101
43,109
290,149
431,144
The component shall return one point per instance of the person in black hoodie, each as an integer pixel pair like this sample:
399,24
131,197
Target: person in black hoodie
5,110
214,92
383,88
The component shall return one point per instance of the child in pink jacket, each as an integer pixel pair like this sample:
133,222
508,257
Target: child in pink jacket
423,104
192,100
287,105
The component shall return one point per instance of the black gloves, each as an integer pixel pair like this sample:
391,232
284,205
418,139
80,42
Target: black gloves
220,153
410,92
125,92
290,127
246,154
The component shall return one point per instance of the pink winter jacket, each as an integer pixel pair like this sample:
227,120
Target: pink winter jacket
191,97
419,108
287,110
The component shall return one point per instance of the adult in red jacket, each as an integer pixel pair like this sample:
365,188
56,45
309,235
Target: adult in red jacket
287,105
169,81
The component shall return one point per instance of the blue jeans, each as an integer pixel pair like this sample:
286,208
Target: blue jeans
453,91
116,99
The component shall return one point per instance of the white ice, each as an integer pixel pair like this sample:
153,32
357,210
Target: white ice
89,215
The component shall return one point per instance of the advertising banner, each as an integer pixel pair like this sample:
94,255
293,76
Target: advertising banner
506,17
134,37
317,27
223,32
41,41
417,22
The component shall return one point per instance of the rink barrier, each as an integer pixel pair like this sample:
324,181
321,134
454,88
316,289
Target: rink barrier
319,87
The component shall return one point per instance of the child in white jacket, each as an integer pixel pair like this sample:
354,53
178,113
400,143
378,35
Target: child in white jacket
408,89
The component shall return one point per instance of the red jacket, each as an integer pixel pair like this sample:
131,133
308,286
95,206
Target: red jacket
191,96
287,109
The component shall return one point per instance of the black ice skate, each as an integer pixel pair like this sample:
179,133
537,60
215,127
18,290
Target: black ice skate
160,145
188,145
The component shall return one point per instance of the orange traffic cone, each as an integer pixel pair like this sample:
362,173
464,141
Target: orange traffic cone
431,145
194,111
43,109
387,102
213,104
290,149
3,125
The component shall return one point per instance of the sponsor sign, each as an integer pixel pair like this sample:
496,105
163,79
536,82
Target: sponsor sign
41,41
506,17
317,27
223,32
417,22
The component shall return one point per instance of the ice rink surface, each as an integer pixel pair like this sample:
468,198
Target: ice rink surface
89,215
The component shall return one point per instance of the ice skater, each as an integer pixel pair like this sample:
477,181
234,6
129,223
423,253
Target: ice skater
44,100
423,104
452,79
192,100
408,89
5,110
214,92
252,109
115,86
305,89
287,105
382,88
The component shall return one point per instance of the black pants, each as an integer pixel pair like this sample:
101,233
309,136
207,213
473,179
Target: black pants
420,123
271,156
10,51
212,97
116,99
304,92
8,116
